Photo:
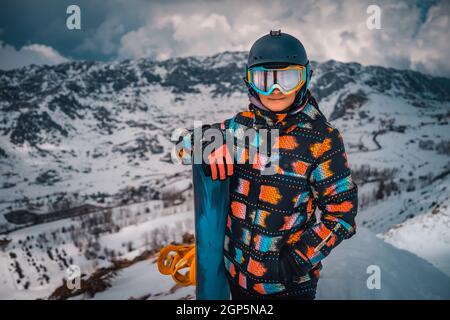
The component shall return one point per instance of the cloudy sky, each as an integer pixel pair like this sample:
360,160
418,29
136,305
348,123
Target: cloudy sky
414,34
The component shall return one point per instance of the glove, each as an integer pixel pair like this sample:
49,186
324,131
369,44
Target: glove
220,164
288,269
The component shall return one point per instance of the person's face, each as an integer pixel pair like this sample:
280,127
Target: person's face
277,101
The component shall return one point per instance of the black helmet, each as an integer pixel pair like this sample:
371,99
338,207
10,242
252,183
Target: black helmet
279,49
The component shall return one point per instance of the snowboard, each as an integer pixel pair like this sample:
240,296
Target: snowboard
211,199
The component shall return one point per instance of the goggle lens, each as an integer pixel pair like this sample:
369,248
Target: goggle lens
287,79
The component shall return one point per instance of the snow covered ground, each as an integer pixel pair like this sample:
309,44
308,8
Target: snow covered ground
344,276
143,281
427,235
403,275
37,257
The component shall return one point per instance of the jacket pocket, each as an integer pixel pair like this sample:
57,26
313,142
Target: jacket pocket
264,268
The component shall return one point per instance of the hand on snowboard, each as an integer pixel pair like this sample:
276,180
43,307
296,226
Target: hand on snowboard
220,164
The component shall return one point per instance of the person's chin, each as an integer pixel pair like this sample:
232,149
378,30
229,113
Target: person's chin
277,107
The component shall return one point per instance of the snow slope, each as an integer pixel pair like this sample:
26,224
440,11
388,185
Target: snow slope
36,260
344,276
143,280
426,235
403,274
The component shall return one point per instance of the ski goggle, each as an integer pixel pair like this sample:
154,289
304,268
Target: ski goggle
287,80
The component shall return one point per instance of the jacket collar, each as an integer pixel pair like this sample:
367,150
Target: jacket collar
305,111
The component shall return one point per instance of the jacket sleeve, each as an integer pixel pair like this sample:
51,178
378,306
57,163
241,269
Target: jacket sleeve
184,148
336,195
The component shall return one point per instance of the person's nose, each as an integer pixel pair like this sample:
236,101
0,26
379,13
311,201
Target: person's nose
276,91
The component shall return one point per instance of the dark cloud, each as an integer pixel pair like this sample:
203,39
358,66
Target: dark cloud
347,35
413,35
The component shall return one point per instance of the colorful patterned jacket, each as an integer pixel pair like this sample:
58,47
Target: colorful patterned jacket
269,211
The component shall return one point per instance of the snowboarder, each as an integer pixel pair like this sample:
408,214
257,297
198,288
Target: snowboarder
274,243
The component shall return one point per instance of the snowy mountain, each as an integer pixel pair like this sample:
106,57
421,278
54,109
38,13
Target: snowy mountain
98,134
